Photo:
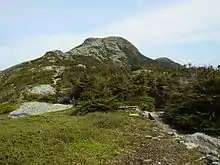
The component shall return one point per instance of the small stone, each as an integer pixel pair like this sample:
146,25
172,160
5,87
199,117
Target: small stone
148,136
81,66
171,133
151,117
178,140
148,160
188,163
134,114
145,113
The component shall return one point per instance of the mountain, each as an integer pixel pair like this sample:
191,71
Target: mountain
166,62
56,67
110,51
103,75
59,70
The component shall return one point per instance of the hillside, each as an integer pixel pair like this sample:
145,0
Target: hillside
56,68
168,62
90,83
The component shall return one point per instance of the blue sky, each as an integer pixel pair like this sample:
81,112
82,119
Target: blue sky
183,30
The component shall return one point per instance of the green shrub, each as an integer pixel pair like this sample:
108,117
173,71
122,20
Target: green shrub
92,106
7,108
147,103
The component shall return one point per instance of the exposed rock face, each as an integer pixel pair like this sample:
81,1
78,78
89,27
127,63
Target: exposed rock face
211,160
111,50
116,50
43,90
34,108
55,55
204,143
48,68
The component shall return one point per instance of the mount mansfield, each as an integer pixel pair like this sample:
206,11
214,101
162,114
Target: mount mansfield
103,102
52,69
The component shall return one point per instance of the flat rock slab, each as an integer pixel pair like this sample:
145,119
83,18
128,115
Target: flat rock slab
43,90
204,143
34,108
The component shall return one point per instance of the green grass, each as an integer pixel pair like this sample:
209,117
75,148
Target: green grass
97,138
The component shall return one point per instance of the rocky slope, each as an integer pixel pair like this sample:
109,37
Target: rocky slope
55,68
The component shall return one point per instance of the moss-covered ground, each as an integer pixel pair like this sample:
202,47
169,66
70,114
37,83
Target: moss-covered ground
96,138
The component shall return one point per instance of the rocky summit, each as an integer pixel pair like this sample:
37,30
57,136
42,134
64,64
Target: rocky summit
107,51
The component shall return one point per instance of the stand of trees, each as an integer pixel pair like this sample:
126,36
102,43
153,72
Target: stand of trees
190,97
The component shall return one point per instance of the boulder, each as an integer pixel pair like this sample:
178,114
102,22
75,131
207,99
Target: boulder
211,160
34,108
46,89
204,143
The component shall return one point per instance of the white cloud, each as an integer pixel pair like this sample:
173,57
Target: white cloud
185,22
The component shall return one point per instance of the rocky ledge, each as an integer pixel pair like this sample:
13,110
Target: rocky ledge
34,108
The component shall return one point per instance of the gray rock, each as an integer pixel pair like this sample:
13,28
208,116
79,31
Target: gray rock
178,140
211,160
34,108
15,116
204,143
81,66
173,133
148,160
145,113
151,117
148,137
134,114
99,49
42,90
48,68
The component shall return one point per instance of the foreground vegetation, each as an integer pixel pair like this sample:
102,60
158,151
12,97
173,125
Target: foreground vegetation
96,138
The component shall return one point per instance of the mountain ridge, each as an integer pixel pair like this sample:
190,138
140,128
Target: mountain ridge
92,55
91,43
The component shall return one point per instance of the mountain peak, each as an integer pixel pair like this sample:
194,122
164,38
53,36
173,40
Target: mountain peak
90,40
108,41
110,49
168,62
